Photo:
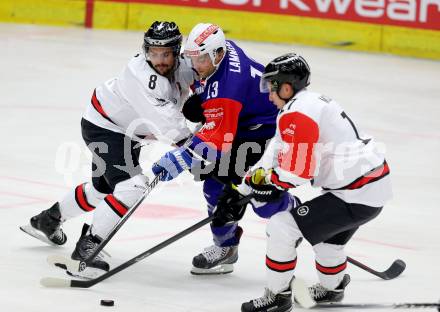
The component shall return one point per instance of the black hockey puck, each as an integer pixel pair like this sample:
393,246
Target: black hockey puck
107,303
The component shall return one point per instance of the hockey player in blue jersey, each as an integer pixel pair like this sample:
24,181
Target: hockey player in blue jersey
238,122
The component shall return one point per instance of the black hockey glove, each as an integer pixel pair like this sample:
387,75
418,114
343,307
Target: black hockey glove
192,109
263,190
227,210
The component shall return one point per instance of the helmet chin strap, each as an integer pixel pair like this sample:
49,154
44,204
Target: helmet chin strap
212,56
176,65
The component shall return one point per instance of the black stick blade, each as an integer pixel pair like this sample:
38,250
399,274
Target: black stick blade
394,270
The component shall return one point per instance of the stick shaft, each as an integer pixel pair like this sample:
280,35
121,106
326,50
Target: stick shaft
145,254
121,222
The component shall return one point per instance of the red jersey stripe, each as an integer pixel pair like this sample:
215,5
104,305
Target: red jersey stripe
97,105
372,176
275,179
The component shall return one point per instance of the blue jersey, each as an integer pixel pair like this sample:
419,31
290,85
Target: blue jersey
234,106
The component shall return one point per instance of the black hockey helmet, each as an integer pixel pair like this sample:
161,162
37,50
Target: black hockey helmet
163,34
288,68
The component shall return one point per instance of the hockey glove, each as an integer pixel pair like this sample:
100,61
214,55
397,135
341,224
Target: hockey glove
262,189
173,163
192,109
227,210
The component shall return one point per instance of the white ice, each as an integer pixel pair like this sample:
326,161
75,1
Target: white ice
46,79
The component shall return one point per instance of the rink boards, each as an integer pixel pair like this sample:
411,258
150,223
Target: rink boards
365,25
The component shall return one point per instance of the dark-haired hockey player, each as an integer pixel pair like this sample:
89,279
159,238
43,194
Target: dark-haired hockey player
238,122
316,142
144,101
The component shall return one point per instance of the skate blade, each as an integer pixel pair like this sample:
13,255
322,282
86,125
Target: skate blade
28,229
219,269
63,262
86,274
301,292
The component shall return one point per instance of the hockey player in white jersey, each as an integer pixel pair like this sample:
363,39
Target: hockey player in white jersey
144,101
315,142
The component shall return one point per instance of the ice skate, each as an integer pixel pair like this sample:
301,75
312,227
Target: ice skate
323,295
85,246
46,226
270,302
215,260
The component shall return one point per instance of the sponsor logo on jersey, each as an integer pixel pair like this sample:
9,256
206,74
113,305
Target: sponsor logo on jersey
199,90
290,130
325,98
302,211
214,113
162,102
209,125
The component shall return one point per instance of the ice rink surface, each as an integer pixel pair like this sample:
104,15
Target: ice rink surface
47,77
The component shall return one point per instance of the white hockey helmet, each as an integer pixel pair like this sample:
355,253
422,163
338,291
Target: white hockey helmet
205,38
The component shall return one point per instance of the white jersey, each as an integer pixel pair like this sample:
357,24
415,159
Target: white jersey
317,142
142,103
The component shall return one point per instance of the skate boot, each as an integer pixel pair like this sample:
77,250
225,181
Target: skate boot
270,302
46,226
85,246
216,260
323,295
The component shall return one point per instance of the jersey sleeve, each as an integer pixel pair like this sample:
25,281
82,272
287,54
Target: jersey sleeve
162,117
296,159
219,130
185,77
269,159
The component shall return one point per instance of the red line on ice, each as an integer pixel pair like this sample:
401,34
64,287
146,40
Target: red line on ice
19,195
42,107
5,206
406,247
34,182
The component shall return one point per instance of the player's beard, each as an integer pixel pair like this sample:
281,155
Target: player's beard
164,69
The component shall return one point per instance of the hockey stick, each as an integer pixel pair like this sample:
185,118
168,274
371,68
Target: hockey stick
59,282
396,268
77,265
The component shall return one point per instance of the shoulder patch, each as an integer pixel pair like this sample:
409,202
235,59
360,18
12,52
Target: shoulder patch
161,102
325,98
